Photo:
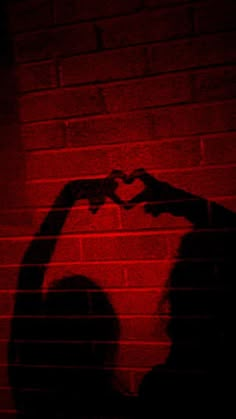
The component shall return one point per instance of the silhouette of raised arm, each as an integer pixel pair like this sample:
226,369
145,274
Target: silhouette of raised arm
28,302
159,197
200,292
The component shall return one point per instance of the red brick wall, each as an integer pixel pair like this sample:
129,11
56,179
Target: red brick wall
123,84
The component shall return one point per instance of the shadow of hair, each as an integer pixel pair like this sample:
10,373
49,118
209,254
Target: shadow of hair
69,357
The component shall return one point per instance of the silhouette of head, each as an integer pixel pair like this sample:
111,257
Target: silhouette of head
75,349
82,321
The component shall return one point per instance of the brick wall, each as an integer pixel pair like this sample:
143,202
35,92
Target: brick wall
108,85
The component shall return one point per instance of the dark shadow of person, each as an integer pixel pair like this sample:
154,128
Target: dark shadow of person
47,379
196,375
63,343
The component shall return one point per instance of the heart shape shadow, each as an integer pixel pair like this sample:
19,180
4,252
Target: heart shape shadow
127,188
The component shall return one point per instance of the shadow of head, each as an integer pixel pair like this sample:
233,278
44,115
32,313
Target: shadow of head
80,318
72,357
76,341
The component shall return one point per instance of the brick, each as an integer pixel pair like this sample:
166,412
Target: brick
33,46
149,92
6,303
11,168
17,222
72,164
36,76
12,251
194,119
145,27
81,220
213,17
194,52
67,250
30,14
9,277
74,39
101,161
109,129
147,274
60,103
42,194
55,42
124,248
137,219
144,355
103,66
85,10
159,155
141,302
47,135
213,84
104,275
207,182
219,148
149,329
12,194
163,155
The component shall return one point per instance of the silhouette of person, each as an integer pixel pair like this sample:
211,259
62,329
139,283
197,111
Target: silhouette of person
200,298
197,370
63,345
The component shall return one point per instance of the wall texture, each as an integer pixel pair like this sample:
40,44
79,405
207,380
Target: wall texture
106,85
